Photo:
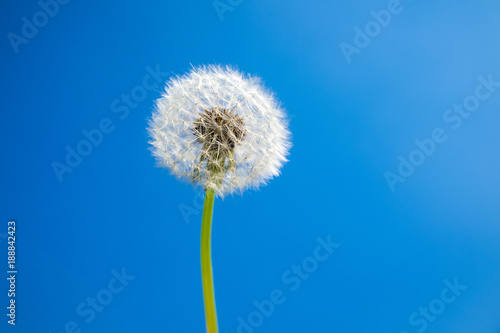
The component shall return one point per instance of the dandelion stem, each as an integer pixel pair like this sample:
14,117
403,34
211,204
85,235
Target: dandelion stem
206,263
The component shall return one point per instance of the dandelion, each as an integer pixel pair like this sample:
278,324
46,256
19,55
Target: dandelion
220,129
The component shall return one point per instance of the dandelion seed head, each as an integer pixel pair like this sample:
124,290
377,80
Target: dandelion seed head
219,129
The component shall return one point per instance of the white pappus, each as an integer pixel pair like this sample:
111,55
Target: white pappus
220,129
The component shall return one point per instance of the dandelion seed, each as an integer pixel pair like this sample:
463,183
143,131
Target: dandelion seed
218,124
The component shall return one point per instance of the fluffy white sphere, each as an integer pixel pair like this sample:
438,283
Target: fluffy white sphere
219,129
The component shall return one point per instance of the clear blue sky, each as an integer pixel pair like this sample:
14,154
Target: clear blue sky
395,115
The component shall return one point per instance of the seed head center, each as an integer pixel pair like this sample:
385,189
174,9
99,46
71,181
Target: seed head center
219,130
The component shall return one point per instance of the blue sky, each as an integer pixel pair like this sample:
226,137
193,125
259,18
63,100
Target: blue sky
114,228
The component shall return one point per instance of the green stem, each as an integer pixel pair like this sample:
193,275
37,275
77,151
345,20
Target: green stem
206,263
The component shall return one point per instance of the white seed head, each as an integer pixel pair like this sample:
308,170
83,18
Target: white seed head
219,129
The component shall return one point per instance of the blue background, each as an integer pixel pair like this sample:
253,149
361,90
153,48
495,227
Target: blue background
350,123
